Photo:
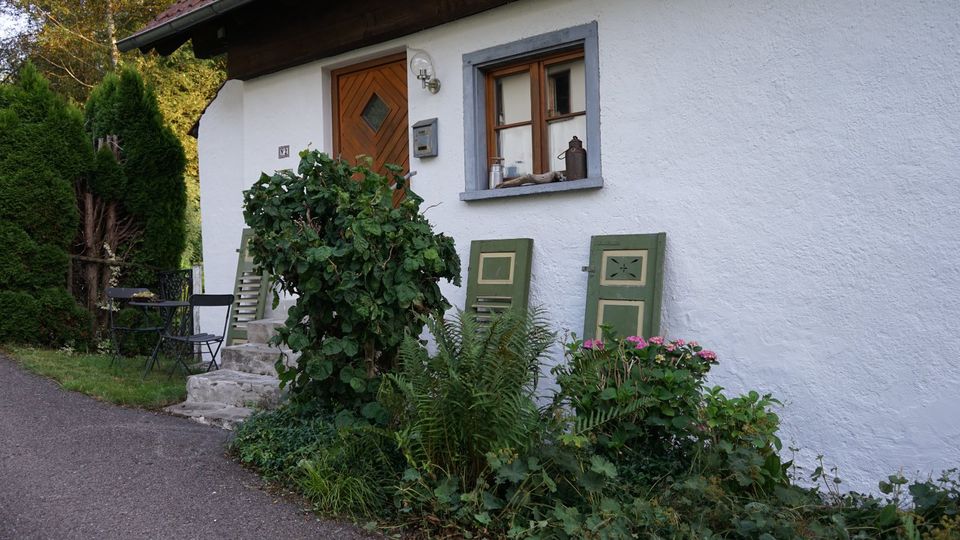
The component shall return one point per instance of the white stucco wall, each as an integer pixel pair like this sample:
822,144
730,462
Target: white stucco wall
802,157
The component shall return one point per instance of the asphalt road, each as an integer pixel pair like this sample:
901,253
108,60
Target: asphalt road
73,467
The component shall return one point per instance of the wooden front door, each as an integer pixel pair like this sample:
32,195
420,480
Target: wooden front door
370,112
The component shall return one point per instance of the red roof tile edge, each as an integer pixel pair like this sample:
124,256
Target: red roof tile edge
177,10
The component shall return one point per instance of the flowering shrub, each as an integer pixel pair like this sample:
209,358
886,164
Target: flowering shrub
648,394
634,446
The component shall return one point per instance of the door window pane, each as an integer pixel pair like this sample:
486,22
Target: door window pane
515,146
513,98
559,134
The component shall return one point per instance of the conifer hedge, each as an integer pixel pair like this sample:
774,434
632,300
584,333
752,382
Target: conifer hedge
43,151
46,158
153,163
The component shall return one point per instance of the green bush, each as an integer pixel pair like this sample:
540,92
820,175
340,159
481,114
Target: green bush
465,453
151,187
108,180
40,203
342,463
27,266
364,271
44,152
19,317
44,317
473,399
62,321
37,126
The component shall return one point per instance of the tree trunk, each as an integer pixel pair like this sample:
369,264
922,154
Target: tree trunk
110,240
112,37
90,270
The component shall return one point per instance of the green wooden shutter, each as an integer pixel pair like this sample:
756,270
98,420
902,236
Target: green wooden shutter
499,276
625,286
250,292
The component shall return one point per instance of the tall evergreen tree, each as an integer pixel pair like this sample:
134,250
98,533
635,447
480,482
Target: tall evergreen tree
44,153
152,162
73,44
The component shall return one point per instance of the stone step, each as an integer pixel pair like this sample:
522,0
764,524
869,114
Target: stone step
255,358
214,414
234,388
261,331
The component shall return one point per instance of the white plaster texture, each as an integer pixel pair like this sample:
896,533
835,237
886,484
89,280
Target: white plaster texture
802,157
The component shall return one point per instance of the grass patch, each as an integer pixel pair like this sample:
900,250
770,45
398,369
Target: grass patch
91,374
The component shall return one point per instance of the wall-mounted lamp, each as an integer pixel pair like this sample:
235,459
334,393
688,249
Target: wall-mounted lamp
422,66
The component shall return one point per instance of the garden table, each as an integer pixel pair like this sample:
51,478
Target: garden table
167,309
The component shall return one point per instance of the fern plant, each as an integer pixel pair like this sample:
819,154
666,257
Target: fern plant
474,396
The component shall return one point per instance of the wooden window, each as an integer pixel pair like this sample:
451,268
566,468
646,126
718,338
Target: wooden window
523,101
534,107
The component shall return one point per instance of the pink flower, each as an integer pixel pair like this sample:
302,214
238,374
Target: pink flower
671,347
593,344
709,356
694,344
639,341
680,342
657,340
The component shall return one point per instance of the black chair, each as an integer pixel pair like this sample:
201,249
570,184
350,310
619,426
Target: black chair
177,285
117,297
183,339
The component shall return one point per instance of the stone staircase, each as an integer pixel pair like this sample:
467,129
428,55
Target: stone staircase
247,380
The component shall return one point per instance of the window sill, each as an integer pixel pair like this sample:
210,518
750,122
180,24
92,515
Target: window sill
534,189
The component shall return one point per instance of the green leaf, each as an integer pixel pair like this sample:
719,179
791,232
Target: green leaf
569,517
350,347
610,506
592,481
447,490
346,374
601,466
514,472
319,254
297,340
549,482
332,346
320,369
491,501
373,410
888,516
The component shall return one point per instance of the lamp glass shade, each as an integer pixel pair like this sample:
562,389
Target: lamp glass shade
421,64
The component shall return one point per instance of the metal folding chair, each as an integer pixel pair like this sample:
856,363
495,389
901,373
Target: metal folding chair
117,297
196,342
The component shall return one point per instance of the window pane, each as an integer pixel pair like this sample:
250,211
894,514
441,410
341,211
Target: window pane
560,133
513,98
515,146
566,88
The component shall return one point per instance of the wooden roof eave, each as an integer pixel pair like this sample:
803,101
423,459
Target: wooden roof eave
169,35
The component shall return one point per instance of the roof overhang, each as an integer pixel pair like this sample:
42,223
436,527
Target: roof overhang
178,26
260,37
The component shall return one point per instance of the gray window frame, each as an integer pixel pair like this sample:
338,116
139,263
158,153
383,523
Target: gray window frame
475,65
